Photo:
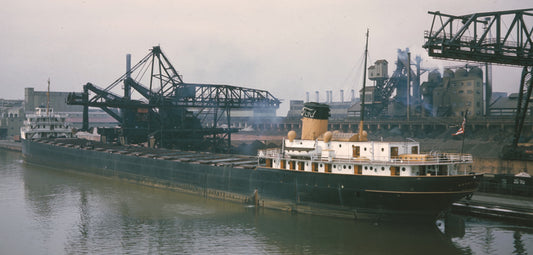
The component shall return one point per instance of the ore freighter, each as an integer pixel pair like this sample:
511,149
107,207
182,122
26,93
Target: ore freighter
328,173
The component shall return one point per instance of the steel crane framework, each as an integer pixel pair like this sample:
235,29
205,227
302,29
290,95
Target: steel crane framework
168,109
503,37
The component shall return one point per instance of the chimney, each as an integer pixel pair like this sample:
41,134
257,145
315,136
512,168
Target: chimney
127,89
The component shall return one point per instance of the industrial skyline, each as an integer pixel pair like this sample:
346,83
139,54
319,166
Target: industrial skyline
287,48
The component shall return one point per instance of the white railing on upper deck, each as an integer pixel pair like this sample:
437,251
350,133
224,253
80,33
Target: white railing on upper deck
269,153
440,158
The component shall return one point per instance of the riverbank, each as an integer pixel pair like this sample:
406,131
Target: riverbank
10,145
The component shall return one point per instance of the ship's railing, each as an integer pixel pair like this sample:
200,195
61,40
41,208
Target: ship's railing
269,153
416,159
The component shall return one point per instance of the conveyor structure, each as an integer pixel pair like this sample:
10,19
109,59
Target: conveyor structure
161,114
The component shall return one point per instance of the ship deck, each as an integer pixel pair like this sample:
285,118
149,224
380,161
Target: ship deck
192,157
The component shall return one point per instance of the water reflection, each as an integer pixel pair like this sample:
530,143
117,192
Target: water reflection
58,212
113,216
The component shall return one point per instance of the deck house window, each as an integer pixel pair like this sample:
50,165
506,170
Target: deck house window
328,168
394,170
356,151
394,151
357,169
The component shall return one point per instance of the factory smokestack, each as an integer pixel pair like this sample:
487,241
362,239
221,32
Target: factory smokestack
307,97
127,89
353,95
317,98
342,96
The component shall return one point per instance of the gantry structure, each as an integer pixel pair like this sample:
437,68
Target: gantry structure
502,37
157,104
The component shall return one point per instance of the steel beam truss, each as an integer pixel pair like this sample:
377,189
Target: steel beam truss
166,99
495,37
503,37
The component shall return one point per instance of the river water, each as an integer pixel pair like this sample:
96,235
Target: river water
53,211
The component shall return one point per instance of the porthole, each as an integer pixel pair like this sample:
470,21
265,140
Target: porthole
366,167
321,165
364,149
334,166
403,169
349,167
382,168
371,168
340,145
382,149
344,166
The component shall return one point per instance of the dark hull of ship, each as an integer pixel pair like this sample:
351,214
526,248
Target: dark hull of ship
354,196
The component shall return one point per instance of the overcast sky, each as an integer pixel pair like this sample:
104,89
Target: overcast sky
286,47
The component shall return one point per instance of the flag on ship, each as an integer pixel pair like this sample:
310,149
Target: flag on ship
462,129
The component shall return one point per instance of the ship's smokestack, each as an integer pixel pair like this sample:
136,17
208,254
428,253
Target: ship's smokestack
342,96
317,98
314,120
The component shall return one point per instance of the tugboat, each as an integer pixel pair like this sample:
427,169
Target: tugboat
347,172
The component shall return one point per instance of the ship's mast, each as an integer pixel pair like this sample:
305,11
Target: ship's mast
48,99
363,92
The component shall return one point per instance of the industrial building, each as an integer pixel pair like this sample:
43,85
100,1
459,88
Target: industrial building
453,93
459,89
55,100
11,117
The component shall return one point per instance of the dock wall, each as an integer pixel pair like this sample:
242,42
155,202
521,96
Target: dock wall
501,166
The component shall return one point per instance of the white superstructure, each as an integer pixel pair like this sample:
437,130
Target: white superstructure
322,151
44,124
364,158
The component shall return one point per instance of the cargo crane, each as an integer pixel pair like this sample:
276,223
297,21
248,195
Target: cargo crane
482,37
162,115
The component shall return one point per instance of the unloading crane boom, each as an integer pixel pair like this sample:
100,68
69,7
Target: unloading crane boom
164,107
